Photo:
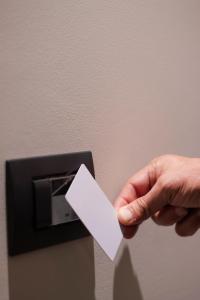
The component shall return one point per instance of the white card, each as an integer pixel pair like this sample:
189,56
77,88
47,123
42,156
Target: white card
95,211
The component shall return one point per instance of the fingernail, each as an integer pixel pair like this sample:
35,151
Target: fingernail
125,215
181,212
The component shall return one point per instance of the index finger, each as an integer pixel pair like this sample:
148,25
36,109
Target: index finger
137,186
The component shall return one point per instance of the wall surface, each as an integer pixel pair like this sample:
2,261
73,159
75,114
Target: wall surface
120,78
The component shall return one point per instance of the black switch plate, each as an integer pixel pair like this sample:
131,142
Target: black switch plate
23,234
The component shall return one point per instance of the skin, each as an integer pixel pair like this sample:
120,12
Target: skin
167,190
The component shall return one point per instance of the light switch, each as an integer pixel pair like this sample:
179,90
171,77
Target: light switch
51,207
61,210
37,213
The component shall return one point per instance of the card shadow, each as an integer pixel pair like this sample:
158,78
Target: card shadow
59,272
126,285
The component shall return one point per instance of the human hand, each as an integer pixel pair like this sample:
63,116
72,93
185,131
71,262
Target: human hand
168,190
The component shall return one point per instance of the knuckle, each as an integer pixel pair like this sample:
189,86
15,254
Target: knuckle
156,220
190,226
156,217
162,221
162,162
166,184
162,158
184,232
163,183
142,208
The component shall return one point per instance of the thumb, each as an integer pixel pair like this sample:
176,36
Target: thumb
143,207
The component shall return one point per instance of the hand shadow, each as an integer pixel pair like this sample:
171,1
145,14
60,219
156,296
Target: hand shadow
126,285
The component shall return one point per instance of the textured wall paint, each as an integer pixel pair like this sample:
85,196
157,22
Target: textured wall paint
121,78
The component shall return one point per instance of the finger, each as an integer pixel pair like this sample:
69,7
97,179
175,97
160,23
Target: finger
137,186
169,215
127,195
143,207
129,231
189,225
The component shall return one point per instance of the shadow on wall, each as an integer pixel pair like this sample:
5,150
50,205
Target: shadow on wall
126,285
59,272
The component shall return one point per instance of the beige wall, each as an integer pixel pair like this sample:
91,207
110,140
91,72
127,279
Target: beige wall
120,78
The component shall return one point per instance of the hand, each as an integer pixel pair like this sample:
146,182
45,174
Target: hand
168,190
